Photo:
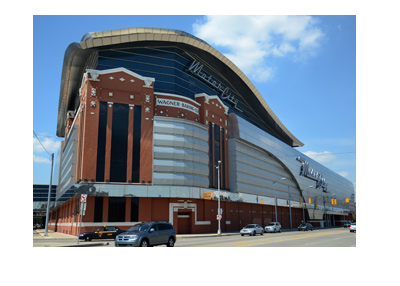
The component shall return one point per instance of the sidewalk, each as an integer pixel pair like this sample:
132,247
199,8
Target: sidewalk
63,239
58,239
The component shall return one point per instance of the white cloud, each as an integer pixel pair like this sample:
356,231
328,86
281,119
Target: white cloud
39,159
321,157
344,174
50,144
250,40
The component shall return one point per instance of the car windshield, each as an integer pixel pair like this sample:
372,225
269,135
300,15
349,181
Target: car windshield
250,226
271,224
139,227
303,224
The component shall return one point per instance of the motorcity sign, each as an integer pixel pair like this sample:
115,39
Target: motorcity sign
312,174
178,104
196,68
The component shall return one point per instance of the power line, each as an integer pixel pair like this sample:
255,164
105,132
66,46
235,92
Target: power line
41,143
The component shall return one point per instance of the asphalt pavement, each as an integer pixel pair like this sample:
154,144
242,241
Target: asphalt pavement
57,239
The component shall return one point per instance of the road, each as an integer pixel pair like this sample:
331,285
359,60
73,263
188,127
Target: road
335,237
317,238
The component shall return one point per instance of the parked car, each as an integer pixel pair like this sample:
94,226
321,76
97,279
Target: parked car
305,226
252,229
347,224
147,234
353,227
273,227
103,232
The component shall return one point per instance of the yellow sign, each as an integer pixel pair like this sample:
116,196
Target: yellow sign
309,200
208,195
347,200
262,202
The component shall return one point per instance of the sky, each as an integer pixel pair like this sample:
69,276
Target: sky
305,70
303,66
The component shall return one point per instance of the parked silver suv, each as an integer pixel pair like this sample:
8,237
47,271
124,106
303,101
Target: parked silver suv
147,234
273,227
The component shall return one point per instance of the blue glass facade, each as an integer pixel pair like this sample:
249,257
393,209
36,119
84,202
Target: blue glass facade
170,68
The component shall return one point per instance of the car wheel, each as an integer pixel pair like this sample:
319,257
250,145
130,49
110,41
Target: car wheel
262,233
171,242
144,243
242,234
88,238
254,233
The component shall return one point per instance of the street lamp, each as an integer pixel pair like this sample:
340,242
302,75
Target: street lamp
219,200
276,212
304,218
290,207
48,196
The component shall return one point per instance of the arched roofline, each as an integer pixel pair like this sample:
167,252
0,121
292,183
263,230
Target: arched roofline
95,40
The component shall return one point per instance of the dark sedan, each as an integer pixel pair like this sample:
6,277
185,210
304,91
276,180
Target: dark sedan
305,226
103,232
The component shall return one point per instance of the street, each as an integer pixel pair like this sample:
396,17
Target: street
317,238
334,237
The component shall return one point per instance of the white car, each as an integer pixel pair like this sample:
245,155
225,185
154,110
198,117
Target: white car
273,227
252,229
353,227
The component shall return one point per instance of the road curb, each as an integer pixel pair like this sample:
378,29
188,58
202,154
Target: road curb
86,245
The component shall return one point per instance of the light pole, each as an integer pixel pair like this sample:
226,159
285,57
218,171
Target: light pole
304,218
48,196
219,200
276,200
290,208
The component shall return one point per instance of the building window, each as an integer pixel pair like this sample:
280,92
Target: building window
217,148
134,209
217,153
98,209
101,142
116,209
210,160
119,142
137,121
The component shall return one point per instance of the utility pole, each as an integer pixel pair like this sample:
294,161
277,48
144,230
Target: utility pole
48,196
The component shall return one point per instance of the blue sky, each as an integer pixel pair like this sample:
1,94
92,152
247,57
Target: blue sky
305,68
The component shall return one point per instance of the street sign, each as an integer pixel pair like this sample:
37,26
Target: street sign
208,195
83,198
219,217
83,208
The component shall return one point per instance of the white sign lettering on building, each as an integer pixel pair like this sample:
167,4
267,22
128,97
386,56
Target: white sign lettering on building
177,104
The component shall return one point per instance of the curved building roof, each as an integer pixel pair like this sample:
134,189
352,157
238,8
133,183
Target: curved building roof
79,55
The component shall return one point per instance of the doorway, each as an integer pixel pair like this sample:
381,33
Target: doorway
184,223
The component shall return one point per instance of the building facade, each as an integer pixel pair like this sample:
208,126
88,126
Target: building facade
156,121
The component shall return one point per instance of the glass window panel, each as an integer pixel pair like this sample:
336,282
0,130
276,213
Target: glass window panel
119,142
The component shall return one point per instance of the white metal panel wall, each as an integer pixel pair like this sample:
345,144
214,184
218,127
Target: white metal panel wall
68,162
338,186
180,149
254,171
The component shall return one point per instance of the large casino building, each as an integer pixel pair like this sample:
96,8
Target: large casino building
154,120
